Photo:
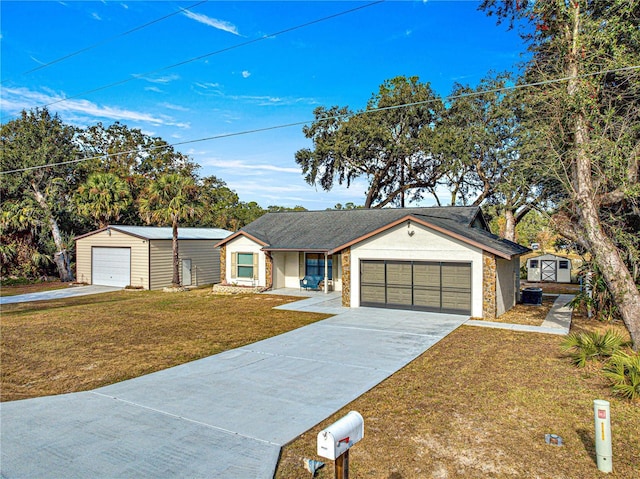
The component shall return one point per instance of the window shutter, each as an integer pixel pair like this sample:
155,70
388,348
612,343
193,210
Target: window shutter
255,265
234,265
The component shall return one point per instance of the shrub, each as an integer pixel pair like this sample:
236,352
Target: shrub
595,295
623,370
583,347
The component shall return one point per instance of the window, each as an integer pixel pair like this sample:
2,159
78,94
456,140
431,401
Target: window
533,263
245,265
314,265
563,264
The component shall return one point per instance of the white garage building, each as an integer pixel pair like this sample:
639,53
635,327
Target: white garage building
141,256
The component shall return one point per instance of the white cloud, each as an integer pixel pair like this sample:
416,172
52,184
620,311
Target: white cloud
212,22
14,100
207,86
171,106
154,89
95,16
164,80
240,165
246,74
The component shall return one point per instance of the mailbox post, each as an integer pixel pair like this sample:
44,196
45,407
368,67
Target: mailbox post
335,441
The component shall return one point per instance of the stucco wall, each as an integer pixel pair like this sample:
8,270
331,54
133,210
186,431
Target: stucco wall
292,269
423,245
113,239
506,284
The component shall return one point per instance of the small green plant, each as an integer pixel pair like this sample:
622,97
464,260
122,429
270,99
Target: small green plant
623,370
595,295
583,347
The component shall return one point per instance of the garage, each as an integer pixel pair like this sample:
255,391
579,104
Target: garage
419,285
111,266
142,256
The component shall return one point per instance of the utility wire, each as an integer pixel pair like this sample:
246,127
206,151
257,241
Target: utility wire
334,117
107,40
216,52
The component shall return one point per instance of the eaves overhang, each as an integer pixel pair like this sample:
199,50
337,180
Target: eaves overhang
236,235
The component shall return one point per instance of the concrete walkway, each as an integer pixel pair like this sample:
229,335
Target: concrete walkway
558,320
225,416
69,292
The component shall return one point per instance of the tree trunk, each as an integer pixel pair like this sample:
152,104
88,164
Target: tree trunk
606,255
509,225
61,257
176,259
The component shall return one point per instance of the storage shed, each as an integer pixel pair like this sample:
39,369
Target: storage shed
142,256
549,268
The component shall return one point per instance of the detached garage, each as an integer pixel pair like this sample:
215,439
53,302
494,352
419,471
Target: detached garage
141,256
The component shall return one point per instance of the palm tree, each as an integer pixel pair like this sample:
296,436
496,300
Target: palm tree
169,200
103,197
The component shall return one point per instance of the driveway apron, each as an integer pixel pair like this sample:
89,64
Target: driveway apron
227,415
58,294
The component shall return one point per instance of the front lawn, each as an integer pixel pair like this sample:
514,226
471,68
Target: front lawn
75,344
478,405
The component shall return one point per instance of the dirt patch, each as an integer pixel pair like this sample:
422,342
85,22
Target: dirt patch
32,288
532,315
553,288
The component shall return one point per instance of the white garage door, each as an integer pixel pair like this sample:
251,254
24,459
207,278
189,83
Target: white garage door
111,266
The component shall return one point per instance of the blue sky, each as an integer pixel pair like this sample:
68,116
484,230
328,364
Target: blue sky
268,82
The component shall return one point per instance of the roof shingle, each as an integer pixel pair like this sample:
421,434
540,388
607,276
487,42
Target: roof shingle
331,230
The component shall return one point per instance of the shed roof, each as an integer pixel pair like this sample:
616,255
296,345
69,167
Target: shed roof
165,232
334,230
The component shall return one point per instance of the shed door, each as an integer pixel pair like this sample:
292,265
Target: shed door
419,285
111,266
548,270
186,272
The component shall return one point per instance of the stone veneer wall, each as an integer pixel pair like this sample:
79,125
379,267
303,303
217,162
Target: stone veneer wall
268,270
489,278
346,278
223,263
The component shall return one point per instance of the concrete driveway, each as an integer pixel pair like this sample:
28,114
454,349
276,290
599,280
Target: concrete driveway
225,416
69,292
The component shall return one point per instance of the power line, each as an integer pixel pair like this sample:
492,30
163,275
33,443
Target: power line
333,117
107,40
216,52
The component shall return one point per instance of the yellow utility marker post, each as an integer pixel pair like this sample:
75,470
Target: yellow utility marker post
604,453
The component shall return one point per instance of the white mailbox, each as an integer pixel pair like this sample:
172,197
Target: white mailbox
336,439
